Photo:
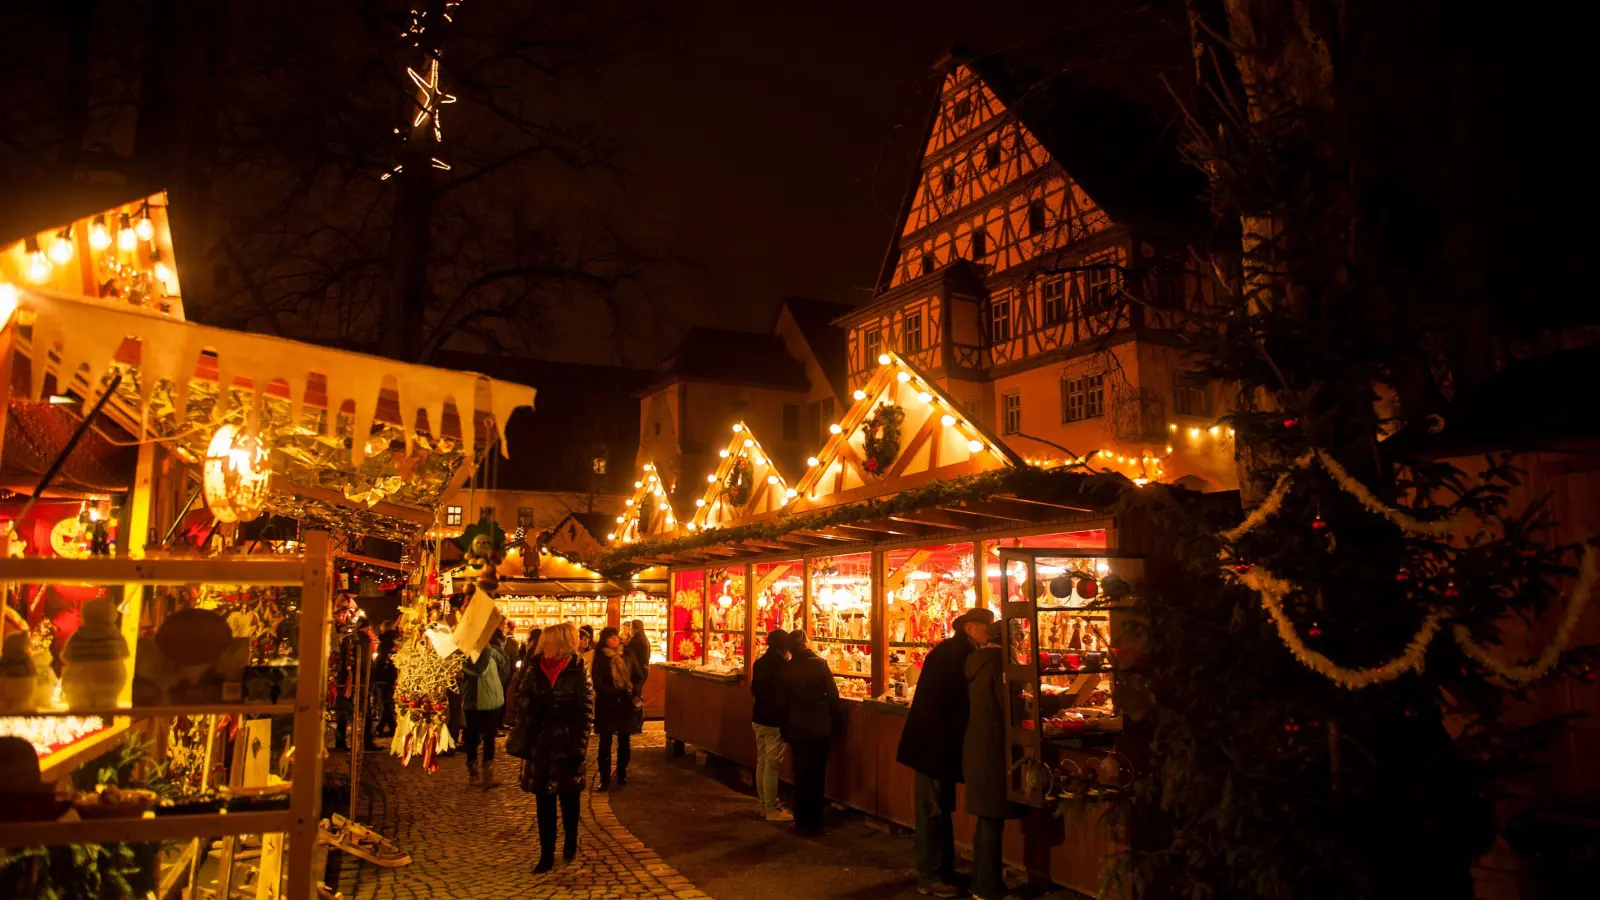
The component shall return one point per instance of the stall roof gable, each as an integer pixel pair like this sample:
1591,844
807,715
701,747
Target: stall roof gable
649,495
937,440
768,488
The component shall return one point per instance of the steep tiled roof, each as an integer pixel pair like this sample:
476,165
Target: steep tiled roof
828,341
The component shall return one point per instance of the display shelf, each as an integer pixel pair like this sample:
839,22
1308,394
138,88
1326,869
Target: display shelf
149,712
852,675
245,571
832,640
148,828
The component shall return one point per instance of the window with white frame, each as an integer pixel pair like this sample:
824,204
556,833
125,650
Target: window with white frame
1082,397
1052,300
1011,417
452,515
874,340
911,334
1000,320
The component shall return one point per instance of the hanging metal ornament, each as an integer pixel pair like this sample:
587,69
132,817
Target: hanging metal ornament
236,475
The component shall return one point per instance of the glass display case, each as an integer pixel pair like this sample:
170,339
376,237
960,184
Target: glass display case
778,589
725,619
925,589
651,610
1061,614
841,619
686,629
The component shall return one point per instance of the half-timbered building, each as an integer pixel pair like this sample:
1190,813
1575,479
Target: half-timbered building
1026,275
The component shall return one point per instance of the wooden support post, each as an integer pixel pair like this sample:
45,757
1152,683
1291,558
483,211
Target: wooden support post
880,623
306,791
749,623
980,574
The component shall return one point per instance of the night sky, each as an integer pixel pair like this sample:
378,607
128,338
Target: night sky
786,137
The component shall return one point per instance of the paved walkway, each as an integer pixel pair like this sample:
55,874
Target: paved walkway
478,845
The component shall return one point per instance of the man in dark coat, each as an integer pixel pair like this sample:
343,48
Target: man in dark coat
811,705
983,766
930,745
766,717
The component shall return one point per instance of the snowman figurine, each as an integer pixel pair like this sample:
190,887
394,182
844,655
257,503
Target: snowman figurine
16,674
94,669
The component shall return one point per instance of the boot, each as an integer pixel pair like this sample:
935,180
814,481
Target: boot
605,782
472,772
488,775
622,776
546,811
570,848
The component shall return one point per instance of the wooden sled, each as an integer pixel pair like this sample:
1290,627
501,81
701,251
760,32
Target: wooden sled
361,842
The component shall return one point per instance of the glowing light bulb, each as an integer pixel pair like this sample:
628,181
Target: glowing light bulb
620,520
810,460
689,525
144,228
947,420
1172,426
99,237
1194,433
700,502
611,536
790,492
662,507
834,428
126,239
61,248
749,443
757,459
629,502
1215,431
162,273
860,394
883,359
904,377
924,396
974,445
737,427
711,479
38,267
723,453
638,484
772,479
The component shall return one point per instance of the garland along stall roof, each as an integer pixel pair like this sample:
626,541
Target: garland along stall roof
947,476
648,512
746,468
419,427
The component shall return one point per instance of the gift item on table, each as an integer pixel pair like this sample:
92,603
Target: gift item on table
94,657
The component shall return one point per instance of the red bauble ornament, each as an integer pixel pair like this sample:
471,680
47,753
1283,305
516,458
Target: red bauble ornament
1087,587
1402,576
1587,674
1315,631
1242,568
1451,592
1317,524
1290,423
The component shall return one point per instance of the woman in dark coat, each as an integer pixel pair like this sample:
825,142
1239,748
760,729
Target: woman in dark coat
983,767
555,710
811,707
615,674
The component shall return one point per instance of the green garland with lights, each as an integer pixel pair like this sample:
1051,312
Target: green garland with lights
1071,486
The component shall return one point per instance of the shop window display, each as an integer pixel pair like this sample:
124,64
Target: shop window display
687,627
778,590
652,611
725,614
925,589
841,619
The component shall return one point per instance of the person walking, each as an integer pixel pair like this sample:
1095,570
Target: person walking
766,717
555,713
983,767
931,745
512,648
614,677
483,702
586,647
639,647
384,675
811,706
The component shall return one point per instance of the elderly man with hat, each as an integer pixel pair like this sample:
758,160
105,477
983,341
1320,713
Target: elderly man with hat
930,745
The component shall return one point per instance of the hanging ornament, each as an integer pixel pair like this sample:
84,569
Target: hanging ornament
1087,587
1317,524
1314,632
236,475
1061,587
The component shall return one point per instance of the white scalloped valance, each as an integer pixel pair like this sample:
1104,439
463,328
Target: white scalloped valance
94,333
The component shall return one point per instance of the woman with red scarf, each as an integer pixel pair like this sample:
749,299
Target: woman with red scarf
554,716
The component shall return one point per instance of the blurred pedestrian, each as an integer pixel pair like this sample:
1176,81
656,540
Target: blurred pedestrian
384,675
766,717
811,710
983,767
930,745
586,647
555,714
483,703
615,674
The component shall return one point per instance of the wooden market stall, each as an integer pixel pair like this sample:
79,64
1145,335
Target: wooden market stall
226,432
910,514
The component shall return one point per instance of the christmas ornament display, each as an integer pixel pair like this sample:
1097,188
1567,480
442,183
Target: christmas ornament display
235,475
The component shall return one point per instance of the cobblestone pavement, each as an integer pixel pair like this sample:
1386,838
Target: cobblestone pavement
468,843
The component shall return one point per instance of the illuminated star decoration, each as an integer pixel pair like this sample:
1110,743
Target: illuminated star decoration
432,97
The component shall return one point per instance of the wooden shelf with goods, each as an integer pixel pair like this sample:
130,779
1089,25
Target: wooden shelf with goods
309,572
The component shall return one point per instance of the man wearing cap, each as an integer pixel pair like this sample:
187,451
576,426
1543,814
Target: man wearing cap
930,745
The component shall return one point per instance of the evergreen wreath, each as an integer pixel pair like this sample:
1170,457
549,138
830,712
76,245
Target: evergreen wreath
881,434
736,486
